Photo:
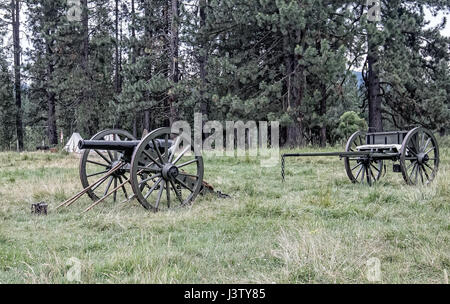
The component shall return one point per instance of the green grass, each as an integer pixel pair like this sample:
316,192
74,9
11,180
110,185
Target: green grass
315,228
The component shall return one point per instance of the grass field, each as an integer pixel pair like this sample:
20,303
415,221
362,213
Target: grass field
317,228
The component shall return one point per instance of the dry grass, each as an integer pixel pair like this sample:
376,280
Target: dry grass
316,228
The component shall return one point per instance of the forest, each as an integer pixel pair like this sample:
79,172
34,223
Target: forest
315,66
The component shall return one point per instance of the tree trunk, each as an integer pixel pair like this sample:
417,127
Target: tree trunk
135,125
51,97
374,91
295,130
148,35
52,131
323,113
133,57
92,125
295,91
85,23
117,55
133,32
120,57
147,120
175,73
166,19
15,12
203,58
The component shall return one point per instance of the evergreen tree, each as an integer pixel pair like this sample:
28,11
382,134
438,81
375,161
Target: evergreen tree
405,62
10,22
7,105
140,64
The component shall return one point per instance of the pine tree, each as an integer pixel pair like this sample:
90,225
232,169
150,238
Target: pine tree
7,105
148,82
278,61
404,63
45,20
138,64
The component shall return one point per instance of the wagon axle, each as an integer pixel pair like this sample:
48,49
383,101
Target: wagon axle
422,158
170,171
122,170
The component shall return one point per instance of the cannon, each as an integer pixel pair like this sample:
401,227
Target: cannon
415,154
153,170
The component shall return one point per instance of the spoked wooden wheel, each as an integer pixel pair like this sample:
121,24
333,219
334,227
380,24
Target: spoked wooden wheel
361,169
163,176
419,159
96,163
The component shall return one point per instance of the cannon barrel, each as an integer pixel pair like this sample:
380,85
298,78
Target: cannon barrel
108,145
128,145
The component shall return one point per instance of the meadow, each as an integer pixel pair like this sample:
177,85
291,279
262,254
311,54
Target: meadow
317,227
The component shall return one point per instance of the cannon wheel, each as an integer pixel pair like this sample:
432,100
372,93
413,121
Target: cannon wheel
95,163
165,169
361,169
419,157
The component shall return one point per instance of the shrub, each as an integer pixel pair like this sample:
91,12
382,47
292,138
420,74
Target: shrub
349,123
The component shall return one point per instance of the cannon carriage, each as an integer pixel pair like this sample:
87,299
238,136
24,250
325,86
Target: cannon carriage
153,170
415,154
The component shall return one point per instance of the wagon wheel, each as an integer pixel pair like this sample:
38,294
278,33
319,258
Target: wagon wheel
165,177
419,157
361,169
96,163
